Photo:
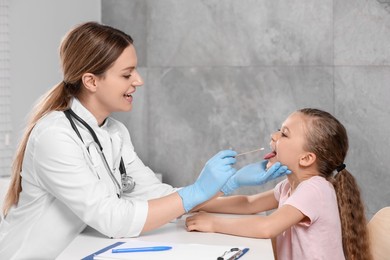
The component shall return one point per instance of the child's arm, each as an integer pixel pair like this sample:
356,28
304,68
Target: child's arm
248,226
241,204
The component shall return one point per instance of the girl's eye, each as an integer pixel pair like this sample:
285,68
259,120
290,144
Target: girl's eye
282,134
127,76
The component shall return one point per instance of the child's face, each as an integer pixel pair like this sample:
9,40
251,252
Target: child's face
288,142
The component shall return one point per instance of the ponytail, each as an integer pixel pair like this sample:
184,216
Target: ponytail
353,221
57,98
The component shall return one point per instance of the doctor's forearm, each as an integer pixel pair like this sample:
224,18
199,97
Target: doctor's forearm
163,210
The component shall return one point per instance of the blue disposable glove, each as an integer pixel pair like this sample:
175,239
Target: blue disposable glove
254,174
214,175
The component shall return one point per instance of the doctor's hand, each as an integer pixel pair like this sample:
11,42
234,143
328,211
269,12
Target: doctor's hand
214,175
254,174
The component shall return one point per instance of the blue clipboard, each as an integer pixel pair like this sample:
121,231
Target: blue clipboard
90,257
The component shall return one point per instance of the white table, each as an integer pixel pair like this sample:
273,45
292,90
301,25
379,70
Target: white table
91,241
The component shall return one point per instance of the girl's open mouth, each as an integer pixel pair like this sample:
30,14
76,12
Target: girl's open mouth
270,155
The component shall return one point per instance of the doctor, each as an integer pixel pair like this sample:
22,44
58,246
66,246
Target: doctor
76,166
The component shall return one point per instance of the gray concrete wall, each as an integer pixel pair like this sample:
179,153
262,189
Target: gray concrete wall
36,30
222,74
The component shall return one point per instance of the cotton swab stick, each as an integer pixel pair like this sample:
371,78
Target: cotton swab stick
260,149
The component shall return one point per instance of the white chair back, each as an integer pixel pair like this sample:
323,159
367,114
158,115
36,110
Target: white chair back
379,230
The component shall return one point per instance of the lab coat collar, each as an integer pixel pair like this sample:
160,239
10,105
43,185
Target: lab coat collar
108,125
87,116
84,113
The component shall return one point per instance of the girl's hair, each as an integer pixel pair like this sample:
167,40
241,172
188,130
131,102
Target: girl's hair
328,140
88,48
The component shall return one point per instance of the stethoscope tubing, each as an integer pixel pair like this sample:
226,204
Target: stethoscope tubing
105,163
130,184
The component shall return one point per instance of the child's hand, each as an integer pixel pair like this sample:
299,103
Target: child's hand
202,221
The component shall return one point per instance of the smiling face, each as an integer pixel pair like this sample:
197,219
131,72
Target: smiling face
119,82
112,92
288,142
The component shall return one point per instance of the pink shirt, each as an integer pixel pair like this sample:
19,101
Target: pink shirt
320,236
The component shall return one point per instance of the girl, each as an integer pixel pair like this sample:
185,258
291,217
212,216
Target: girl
318,215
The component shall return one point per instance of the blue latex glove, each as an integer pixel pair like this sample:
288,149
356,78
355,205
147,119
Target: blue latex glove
214,175
254,174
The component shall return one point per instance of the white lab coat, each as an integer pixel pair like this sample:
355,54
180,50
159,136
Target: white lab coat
65,188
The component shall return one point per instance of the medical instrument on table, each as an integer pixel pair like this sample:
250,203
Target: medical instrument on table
260,149
127,182
141,249
233,254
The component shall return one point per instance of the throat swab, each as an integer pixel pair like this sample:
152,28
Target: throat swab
260,149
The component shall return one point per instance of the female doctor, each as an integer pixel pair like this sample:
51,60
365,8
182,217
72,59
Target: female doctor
76,166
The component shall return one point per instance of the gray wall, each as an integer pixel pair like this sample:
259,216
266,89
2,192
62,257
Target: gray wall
36,30
222,74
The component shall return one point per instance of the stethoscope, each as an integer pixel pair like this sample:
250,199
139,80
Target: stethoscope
128,182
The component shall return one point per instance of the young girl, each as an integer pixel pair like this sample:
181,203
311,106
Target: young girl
319,213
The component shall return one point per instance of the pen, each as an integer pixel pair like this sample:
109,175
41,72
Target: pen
141,249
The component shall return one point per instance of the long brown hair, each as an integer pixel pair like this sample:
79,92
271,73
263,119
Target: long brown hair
89,47
327,139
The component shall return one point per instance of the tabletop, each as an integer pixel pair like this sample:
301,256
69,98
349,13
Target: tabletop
90,241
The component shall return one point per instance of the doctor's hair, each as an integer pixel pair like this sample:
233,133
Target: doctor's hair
327,138
87,48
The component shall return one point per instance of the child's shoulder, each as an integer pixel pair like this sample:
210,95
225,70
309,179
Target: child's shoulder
316,184
316,180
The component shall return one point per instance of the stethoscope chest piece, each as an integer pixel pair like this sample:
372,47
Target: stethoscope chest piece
128,183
